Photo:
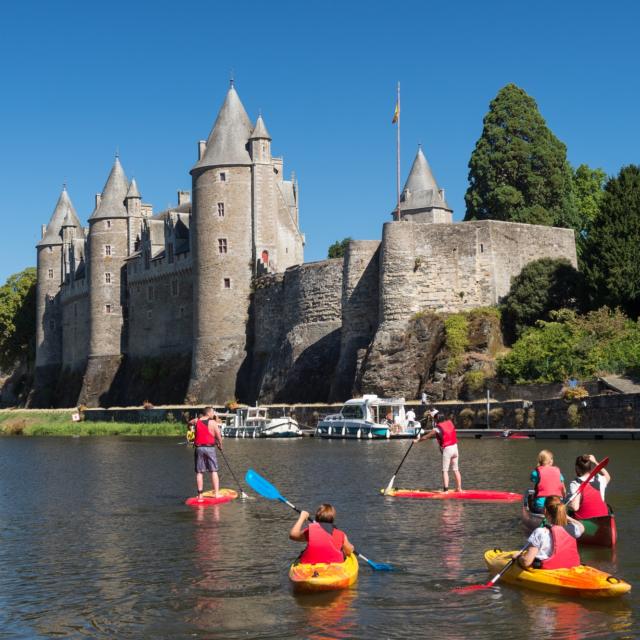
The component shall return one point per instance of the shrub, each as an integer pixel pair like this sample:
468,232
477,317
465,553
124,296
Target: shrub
467,418
474,380
574,393
496,415
573,415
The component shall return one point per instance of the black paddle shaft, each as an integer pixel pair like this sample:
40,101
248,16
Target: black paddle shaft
404,457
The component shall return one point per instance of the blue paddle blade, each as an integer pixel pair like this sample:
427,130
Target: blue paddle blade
378,566
262,486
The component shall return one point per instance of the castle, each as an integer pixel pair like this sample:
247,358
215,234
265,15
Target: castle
210,300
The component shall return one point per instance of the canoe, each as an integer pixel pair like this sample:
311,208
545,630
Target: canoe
226,495
324,576
601,532
471,494
580,582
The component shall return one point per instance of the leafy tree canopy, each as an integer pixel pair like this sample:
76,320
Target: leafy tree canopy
518,170
18,318
541,287
612,248
603,341
338,248
588,191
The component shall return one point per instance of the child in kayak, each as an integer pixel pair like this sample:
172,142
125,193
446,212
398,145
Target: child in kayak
590,503
445,433
325,542
548,481
553,546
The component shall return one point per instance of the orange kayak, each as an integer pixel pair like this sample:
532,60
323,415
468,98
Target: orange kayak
324,576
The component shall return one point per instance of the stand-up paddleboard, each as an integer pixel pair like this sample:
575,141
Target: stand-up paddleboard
226,495
471,494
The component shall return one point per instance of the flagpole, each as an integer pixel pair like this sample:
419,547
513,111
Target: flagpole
398,158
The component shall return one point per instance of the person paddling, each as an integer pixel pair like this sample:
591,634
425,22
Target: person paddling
325,542
548,481
553,546
207,438
591,502
445,434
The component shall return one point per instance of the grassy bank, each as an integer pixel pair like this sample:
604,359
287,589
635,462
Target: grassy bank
59,423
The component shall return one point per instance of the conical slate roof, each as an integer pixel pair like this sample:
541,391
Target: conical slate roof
260,130
133,192
421,190
227,143
62,214
113,195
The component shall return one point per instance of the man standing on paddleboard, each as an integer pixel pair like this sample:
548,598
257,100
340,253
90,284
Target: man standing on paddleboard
208,437
445,433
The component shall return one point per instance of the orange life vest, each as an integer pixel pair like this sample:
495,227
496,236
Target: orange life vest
323,546
564,553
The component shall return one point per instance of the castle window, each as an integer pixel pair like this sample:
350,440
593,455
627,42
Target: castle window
223,176
107,224
107,278
481,248
174,287
51,273
107,249
149,293
149,314
107,308
222,245
226,283
220,209
170,251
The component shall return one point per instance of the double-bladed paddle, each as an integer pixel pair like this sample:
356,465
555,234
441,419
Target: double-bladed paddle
476,587
267,490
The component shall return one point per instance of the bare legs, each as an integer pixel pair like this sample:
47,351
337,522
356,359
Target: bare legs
215,483
445,480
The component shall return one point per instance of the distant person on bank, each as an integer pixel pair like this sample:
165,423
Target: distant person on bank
445,433
207,438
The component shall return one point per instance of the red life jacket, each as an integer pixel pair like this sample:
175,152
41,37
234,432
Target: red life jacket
549,482
564,553
446,434
323,546
204,438
591,504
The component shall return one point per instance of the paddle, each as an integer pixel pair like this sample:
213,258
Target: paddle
267,490
242,493
393,478
476,587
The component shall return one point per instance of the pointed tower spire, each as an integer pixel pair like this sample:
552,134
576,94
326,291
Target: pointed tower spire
115,191
133,190
64,212
227,142
260,130
422,195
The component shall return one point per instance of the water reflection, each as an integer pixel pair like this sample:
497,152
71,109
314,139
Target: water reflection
451,536
327,615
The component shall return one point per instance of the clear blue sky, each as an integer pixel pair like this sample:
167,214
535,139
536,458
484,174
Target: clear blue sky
82,79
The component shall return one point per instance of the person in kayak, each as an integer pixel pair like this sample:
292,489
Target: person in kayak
207,438
445,433
548,481
591,502
553,546
325,542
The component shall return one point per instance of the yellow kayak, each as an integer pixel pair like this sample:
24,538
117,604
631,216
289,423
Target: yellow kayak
324,576
579,582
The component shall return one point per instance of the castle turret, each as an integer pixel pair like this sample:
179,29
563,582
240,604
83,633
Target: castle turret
260,143
223,253
50,275
107,250
421,199
133,204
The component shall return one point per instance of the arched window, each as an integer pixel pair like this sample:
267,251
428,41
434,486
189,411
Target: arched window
265,257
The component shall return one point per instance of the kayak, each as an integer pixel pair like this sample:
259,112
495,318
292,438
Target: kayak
601,532
226,495
580,582
324,576
471,494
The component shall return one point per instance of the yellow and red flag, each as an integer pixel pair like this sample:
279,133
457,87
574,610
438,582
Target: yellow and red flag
396,114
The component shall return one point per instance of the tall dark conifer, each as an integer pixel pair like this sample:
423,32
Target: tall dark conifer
519,171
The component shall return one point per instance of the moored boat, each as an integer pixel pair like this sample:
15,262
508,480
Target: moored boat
324,576
577,582
601,532
255,422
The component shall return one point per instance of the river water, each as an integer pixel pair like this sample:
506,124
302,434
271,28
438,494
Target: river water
95,542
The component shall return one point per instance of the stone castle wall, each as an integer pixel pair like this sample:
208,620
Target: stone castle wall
75,325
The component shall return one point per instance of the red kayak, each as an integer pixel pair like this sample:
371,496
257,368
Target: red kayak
226,495
472,494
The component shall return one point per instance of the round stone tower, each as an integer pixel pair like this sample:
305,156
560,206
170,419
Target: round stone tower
223,254
48,306
107,251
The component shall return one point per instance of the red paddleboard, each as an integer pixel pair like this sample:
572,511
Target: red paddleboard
472,494
226,495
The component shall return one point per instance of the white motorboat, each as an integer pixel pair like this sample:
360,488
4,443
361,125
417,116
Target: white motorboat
255,422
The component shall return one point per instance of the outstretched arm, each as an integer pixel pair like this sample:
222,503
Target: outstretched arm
347,547
426,436
297,532
603,472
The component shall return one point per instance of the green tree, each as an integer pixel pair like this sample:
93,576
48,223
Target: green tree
338,248
588,190
543,286
518,170
18,318
612,251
